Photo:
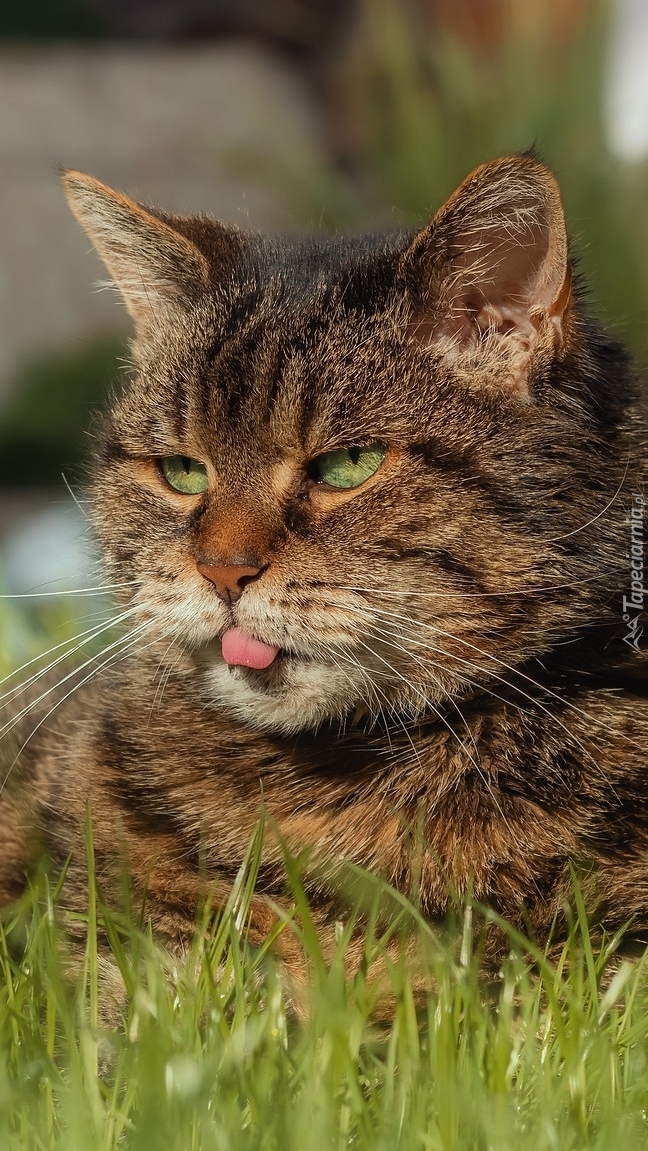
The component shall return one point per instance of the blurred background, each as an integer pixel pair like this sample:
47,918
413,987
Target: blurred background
283,115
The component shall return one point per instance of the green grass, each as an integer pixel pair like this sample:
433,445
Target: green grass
211,1056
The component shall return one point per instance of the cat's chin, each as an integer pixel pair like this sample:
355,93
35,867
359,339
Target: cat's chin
293,694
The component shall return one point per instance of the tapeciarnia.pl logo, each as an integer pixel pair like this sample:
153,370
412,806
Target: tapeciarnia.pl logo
633,604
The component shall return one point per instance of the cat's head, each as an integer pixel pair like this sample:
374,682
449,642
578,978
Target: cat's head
353,464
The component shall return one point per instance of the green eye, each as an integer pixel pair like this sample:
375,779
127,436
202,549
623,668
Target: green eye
185,475
347,467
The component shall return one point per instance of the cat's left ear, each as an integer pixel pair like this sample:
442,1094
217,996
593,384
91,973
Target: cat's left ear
490,275
157,270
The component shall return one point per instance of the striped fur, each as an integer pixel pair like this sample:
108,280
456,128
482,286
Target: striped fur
451,632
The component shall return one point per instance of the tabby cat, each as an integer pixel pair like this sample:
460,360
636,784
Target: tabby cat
372,509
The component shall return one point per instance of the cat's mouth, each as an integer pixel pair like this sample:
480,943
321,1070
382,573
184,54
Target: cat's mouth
242,650
272,687
263,667
256,661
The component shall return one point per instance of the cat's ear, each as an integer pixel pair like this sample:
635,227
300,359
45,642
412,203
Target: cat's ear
157,270
490,275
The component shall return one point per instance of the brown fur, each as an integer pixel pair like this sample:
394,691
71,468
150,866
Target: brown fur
452,632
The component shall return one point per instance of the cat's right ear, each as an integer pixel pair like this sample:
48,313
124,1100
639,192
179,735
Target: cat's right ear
157,270
490,276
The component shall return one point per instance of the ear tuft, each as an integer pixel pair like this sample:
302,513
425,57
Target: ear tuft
157,270
491,272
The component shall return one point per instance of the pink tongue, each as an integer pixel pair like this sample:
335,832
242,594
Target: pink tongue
241,648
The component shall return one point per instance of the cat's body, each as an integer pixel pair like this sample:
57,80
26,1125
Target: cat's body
401,479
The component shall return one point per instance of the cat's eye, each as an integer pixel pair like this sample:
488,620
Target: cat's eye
347,467
185,475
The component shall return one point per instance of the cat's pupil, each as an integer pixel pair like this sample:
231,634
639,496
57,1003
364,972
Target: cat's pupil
186,463
354,455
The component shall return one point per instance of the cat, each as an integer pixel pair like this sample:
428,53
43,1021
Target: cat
372,509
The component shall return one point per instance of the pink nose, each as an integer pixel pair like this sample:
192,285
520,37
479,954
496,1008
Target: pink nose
230,582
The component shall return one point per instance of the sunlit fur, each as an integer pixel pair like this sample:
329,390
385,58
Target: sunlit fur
452,652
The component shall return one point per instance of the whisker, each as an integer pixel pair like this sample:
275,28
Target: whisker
166,669
113,658
523,675
78,502
516,671
596,517
10,724
80,591
426,664
429,703
71,646
376,691
528,589
373,691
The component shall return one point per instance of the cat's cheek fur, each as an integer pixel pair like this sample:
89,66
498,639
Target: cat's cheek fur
180,610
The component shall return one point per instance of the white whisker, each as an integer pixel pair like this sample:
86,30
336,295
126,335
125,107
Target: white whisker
10,724
528,589
69,592
436,631
78,502
71,646
444,721
593,520
133,639
165,669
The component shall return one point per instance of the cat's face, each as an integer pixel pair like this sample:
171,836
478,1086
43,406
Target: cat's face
320,485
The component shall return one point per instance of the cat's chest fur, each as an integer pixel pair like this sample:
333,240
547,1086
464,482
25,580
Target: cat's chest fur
372,509
497,803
